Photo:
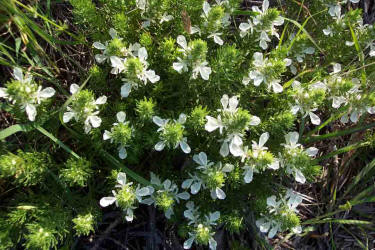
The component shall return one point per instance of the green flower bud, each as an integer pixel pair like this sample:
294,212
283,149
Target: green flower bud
145,39
77,172
126,197
214,18
84,224
145,109
203,234
215,179
116,47
289,220
173,133
197,118
237,122
27,168
198,50
122,133
164,200
133,68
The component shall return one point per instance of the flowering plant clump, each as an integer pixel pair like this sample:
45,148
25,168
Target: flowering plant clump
218,111
25,93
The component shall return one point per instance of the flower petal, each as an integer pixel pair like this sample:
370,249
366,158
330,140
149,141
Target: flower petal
106,201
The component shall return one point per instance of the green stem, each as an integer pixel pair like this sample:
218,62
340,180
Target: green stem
338,133
342,150
331,119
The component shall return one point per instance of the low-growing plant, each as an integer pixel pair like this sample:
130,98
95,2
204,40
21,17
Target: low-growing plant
217,106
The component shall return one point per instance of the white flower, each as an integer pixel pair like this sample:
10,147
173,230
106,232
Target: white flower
328,31
90,111
100,58
166,18
28,95
258,76
199,66
206,225
216,37
162,123
139,194
202,69
246,28
121,116
168,187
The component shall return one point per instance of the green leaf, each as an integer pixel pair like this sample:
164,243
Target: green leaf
14,129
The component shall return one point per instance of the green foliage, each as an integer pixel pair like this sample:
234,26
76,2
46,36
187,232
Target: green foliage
76,172
25,168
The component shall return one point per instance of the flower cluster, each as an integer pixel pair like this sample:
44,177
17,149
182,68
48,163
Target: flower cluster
84,108
263,23
171,133
120,134
25,93
193,56
231,121
127,197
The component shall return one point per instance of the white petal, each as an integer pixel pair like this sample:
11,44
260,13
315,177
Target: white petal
73,88
277,88
106,201
212,243
182,118
143,191
159,146
227,168
129,215
113,33
295,109
271,201
188,243
122,154
274,165
106,135
354,116
292,138
263,139
218,40
214,216
68,116
158,121
117,62
142,54
299,176
265,5
95,121
312,151
181,40
272,232
194,189
186,183
220,193
185,147
254,121
212,124
101,100
121,116
244,27
126,89
314,118
206,8
121,178
183,195
31,111
224,149
151,76
205,72
264,227
47,92
100,58
336,68
99,46
235,149
18,75
178,66
249,175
